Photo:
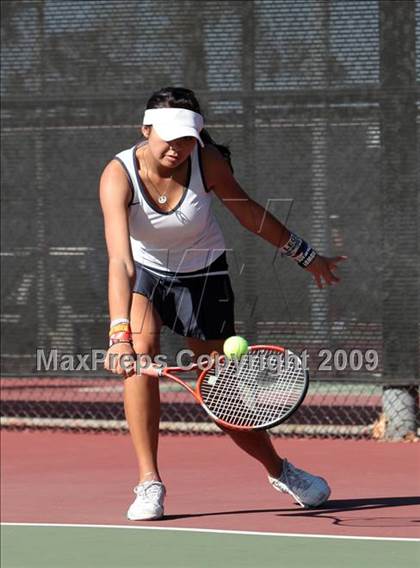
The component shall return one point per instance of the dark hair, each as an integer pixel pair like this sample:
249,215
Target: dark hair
178,97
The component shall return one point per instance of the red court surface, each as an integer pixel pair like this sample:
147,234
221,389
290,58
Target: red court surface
52,477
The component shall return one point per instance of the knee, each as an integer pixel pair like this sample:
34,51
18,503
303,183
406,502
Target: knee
147,348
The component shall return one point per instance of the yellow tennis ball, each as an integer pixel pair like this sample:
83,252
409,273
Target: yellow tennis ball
235,346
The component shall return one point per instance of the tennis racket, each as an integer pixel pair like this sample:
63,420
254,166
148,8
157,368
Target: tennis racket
250,393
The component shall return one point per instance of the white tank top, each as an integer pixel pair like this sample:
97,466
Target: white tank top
185,239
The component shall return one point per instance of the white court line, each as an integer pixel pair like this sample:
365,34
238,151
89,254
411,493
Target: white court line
220,531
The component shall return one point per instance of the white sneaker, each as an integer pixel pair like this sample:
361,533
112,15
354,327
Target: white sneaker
307,489
148,505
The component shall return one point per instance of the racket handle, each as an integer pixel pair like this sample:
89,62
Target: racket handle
152,371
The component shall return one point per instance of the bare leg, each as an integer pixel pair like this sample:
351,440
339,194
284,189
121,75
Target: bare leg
141,393
257,443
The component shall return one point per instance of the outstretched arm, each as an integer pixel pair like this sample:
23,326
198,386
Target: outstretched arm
260,221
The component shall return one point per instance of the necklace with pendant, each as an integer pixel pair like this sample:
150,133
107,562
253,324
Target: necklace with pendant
162,197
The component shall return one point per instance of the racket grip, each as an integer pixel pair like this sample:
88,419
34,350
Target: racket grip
152,371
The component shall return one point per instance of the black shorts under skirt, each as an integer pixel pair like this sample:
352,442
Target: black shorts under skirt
191,304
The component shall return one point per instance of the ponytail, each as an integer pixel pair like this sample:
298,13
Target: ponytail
224,150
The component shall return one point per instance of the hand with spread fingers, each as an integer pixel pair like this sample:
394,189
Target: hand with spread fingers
323,269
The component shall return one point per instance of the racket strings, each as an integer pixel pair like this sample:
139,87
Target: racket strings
262,403
249,394
234,402
261,408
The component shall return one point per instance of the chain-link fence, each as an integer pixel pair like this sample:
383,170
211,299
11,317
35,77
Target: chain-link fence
333,409
318,101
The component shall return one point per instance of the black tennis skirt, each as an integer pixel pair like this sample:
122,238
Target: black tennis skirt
196,304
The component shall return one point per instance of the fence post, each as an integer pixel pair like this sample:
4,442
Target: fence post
399,407
399,254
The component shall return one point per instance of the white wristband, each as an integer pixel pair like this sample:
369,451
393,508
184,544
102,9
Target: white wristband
119,320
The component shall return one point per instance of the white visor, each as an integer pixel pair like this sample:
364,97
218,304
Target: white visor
172,123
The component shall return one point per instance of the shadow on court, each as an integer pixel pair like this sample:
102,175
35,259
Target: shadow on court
333,506
330,510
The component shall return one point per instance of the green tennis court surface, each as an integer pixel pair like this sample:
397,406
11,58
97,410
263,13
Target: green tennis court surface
125,547
65,497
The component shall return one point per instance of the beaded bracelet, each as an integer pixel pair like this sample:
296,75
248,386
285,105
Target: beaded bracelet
123,336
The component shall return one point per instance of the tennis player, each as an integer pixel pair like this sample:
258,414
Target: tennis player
167,266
